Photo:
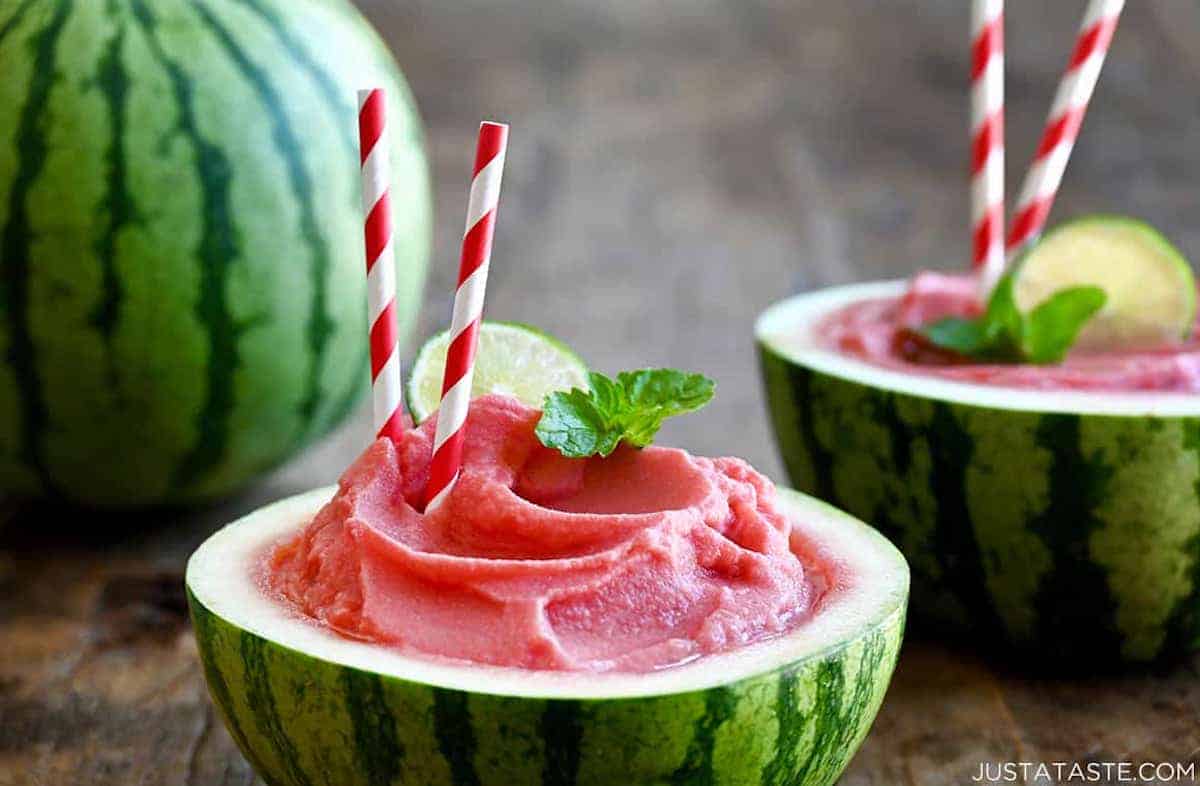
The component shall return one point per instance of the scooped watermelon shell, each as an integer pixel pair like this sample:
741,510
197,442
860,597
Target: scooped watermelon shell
1063,526
309,707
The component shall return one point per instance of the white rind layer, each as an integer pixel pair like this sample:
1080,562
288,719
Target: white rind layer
873,591
787,328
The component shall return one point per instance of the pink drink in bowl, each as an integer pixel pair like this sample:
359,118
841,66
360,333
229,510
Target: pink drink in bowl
885,331
636,562
582,617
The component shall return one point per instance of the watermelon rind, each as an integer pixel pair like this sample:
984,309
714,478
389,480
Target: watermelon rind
1059,527
307,706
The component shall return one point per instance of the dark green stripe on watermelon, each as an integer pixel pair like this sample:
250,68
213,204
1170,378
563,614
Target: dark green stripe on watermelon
270,724
697,768
16,239
830,685
208,632
455,735
118,209
339,101
320,326
218,248
794,425
1184,625
15,18
951,450
791,728
821,458
1075,595
380,753
850,699
563,732
1065,539
340,105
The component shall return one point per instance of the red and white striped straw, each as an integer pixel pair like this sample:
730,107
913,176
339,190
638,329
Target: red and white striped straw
1063,123
386,394
468,312
987,141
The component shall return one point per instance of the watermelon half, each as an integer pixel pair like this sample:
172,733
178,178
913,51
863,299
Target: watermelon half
182,295
309,707
1064,526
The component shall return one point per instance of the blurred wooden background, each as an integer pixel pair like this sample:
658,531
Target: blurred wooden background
676,166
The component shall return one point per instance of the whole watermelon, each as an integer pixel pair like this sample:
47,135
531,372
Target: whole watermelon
181,258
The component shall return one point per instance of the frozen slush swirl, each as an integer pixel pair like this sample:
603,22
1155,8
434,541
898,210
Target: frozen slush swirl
881,332
642,560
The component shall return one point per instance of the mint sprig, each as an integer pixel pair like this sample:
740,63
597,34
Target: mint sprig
630,409
1004,334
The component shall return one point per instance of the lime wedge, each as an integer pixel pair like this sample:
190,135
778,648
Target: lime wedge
513,359
1150,286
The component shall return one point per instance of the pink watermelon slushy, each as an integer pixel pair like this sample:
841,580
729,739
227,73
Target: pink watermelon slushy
885,332
645,559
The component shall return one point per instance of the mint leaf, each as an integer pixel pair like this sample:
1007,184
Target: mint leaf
1003,334
654,395
1003,318
666,388
964,336
573,423
1052,327
630,409
608,396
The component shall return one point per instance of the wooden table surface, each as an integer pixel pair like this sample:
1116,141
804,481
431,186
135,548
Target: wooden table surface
675,167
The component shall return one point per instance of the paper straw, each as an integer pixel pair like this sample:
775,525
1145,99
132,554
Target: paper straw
1063,123
387,398
468,311
987,141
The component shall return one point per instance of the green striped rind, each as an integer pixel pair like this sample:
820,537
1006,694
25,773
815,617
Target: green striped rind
303,719
1068,538
181,274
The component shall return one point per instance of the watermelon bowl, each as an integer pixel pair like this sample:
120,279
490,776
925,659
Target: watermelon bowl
1058,528
307,706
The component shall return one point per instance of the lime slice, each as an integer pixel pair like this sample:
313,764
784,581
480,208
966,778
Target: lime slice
513,359
1150,286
